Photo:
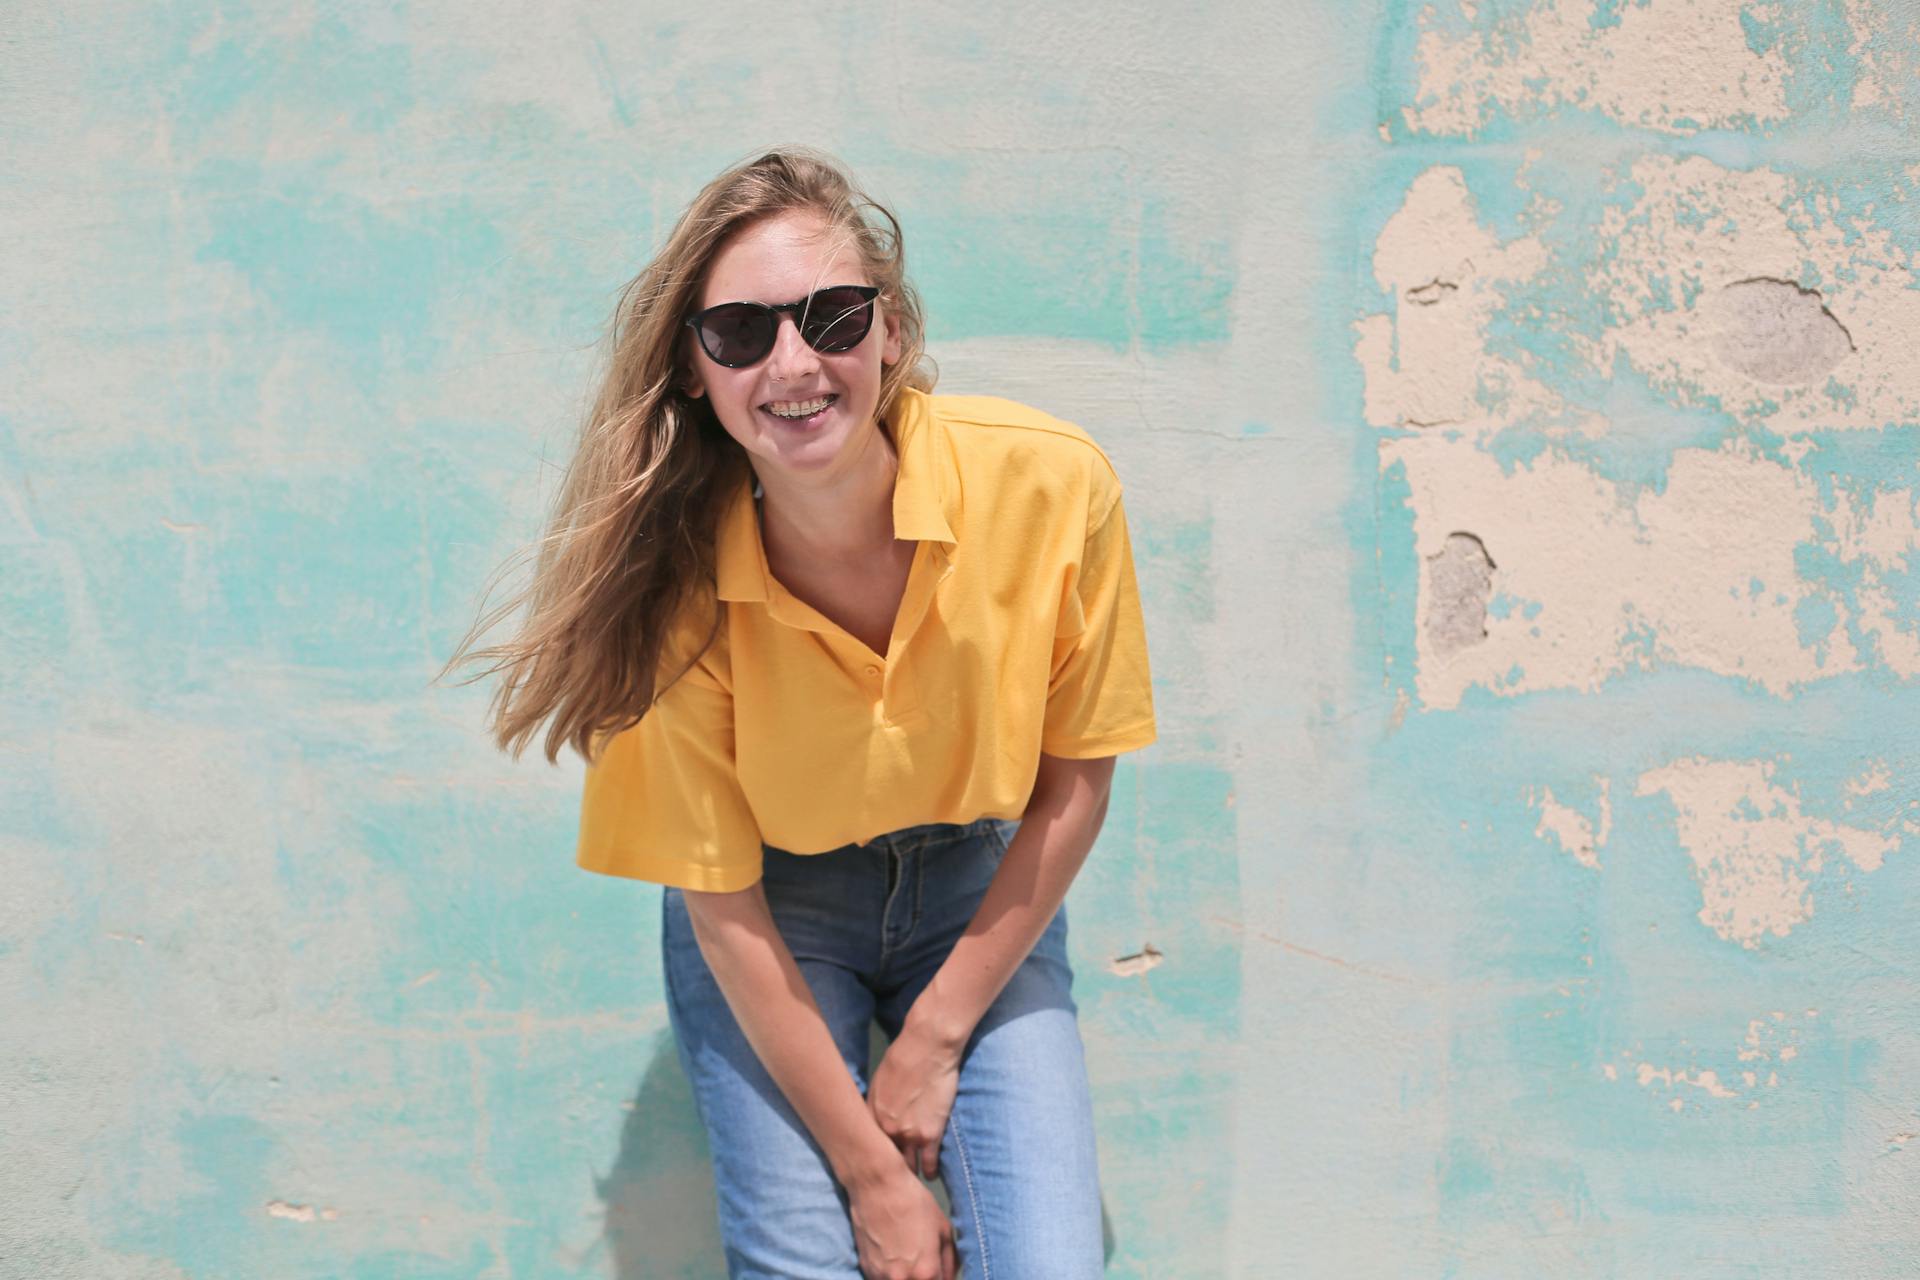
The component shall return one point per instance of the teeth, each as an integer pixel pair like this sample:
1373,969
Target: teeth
790,409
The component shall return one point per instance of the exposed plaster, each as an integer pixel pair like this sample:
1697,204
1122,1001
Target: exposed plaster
1459,580
1776,332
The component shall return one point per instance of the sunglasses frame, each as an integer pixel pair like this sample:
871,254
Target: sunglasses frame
868,293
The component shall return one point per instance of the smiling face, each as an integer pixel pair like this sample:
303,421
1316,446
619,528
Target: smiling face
775,260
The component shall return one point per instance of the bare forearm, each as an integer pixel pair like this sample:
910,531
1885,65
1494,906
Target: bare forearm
782,1021
1055,835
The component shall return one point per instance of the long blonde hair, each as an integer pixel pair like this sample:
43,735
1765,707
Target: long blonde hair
630,543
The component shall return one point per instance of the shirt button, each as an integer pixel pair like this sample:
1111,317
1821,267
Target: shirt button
873,673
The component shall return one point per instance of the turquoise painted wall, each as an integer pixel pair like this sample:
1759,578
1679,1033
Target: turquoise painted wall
1520,413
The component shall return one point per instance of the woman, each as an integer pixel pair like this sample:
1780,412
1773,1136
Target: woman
850,663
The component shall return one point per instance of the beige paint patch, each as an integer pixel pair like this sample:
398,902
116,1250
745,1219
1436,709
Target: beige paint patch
1769,1039
1709,1081
1427,363
1752,847
1881,539
1705,262
1874,778
1622,583
1676,66
1570,827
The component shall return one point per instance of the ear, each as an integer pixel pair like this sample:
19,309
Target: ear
890,327
692,384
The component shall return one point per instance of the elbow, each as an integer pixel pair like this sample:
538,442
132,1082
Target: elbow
719,917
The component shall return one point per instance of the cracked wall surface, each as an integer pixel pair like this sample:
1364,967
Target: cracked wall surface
1518,404
1643,317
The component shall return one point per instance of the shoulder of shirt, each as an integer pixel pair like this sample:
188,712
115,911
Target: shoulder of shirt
1071,444
686,635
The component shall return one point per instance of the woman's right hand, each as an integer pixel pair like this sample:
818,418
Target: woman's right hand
899,1229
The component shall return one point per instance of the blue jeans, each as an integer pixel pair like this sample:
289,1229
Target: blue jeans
868,926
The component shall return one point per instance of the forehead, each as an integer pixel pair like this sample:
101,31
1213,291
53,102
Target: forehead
781,258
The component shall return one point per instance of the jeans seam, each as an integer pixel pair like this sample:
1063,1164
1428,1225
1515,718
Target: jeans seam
919,894
898,881
973,1196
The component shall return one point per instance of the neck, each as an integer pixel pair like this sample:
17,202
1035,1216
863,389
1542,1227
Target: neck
842,514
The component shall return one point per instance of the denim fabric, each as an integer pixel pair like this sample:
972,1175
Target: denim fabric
868,926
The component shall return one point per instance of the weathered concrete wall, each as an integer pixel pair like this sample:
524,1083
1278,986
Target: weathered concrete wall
1520,410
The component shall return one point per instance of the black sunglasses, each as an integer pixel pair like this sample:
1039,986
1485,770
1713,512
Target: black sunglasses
737,334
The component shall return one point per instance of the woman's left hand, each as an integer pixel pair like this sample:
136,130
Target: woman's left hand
912,1094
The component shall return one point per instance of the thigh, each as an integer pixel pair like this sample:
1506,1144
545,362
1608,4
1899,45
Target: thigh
782,1213
1019,1157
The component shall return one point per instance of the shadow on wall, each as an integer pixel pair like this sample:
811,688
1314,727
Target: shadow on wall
662,1218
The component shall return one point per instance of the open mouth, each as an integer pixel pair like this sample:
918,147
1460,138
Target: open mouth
799,413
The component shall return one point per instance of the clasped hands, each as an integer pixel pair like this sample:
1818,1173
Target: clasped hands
912,1091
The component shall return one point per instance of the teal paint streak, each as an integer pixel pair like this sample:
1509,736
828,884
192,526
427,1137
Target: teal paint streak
1161,1041
1166,1036
1084,254
363,279
1538,1133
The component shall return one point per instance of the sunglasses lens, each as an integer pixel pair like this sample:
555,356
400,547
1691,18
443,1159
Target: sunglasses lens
737,333
837,319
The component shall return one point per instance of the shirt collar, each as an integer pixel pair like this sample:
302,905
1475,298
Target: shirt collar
926,493
926,501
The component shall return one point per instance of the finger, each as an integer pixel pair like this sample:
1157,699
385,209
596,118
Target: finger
949,1258
930,1161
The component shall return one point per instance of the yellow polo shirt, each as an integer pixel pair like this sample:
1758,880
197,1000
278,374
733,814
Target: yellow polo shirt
1020,633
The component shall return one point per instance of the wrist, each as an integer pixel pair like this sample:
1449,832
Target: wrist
870,1162
935,1023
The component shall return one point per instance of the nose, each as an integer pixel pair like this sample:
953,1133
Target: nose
792,358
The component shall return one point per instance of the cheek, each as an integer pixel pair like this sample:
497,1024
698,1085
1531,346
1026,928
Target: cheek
729,390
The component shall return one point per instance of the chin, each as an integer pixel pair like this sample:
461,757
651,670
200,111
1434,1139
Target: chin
813,450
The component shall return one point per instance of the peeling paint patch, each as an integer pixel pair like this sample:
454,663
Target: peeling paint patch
1663,578
1675,66
1875,778
1427,363
1886,48
1709,1081
1571,828
300,1212
1753,848
1148,957
1700,257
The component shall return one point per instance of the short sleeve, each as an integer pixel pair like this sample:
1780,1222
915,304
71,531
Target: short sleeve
1100,693
662,801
